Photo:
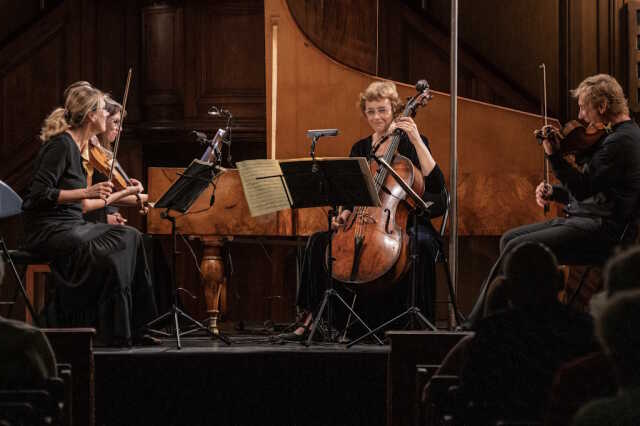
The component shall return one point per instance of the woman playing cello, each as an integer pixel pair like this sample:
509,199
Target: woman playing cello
381,106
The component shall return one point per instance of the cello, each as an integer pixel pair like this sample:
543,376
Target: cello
371,249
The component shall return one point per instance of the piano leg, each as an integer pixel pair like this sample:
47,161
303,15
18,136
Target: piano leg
214,280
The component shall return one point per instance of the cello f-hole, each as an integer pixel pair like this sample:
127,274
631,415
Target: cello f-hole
387,221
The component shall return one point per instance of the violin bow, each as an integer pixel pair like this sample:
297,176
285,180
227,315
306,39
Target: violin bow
543,67
122,116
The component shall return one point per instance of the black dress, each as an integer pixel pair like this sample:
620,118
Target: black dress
100,215
313,278
100,271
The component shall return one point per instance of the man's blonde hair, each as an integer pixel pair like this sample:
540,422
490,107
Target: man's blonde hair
603,89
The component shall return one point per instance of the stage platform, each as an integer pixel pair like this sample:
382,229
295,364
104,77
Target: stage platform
255,381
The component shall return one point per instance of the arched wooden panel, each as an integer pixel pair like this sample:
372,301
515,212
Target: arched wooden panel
499,161
345,30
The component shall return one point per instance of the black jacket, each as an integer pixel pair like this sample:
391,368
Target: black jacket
607,191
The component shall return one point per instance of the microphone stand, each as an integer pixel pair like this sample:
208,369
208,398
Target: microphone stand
412,311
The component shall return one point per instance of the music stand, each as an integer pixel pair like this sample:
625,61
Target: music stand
421,207
179,197
330,182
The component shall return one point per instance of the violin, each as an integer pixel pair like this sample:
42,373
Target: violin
574,137
101,158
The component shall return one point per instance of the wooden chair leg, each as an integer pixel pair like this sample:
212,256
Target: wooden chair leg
30,284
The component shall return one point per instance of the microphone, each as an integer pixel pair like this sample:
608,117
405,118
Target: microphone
200,137
315,135
318,133
214,111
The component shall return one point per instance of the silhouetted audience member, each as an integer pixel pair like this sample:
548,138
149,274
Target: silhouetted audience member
617,329
515,352
26,357
591,377
497,301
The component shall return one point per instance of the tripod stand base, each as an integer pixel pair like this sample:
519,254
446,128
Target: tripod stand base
177,314
326,305
413,313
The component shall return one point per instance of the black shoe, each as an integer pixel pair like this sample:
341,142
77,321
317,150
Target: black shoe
146,340
294,337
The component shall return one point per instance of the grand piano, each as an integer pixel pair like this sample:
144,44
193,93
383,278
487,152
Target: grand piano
499,162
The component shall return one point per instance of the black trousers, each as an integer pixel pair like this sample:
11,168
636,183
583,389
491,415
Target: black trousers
313,281
574,241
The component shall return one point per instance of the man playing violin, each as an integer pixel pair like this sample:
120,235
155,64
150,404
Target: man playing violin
601,200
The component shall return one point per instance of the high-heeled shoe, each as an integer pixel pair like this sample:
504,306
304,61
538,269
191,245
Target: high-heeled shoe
296,337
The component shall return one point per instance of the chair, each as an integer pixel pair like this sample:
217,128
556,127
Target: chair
441,257
11,205
43,406
630,235
438,404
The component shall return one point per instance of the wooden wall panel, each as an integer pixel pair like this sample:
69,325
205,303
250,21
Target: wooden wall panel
511,37
162,50
16,15
30,90
226,46
575,39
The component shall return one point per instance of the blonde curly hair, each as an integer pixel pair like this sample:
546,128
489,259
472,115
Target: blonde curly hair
379,90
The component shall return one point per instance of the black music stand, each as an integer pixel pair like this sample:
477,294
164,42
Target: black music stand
413,312
330,182
179,197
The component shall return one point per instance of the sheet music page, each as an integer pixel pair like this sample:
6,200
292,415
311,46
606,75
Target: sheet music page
263,186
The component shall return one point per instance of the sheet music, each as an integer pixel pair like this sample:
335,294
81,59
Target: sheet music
264,188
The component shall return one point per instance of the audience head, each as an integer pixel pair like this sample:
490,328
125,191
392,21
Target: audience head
531,274
617,329
621,273
498,298
83,105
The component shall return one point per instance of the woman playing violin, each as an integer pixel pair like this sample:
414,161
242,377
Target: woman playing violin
104,142
598,201
100,270
381,107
